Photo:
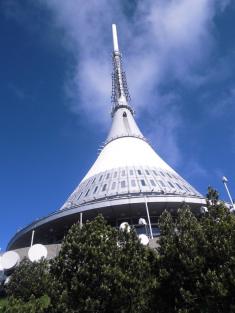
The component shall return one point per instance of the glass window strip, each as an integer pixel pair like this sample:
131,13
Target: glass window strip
143,183
104,187
123,184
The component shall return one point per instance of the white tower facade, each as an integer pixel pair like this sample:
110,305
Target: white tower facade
128,181
127,166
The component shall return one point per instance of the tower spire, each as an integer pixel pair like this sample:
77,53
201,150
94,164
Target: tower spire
120,92
115,38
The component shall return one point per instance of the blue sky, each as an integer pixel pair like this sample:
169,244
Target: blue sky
55,87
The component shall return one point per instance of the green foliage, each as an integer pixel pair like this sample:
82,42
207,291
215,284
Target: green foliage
29,278
196,261
39,305
100,269
3,303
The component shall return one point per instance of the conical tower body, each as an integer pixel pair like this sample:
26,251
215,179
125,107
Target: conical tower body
127,166
128,181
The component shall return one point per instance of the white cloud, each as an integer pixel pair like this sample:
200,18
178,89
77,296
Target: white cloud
161,40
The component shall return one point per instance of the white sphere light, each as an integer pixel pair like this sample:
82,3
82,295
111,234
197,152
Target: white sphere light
142,221
143,239
203,209
37,252
125,226
10,259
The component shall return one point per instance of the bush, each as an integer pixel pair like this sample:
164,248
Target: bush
14,305
29,279
196,261
100,269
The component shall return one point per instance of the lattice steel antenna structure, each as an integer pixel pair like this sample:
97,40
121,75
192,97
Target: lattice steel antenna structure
120,92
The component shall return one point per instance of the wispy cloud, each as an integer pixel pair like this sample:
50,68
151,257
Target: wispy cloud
161,40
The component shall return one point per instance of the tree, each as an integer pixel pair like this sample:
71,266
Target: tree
39,305
29,279
196,260
100,269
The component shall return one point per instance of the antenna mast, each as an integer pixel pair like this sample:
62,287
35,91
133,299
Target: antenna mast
120,92
115,38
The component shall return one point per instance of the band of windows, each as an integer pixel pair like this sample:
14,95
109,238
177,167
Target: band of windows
138,177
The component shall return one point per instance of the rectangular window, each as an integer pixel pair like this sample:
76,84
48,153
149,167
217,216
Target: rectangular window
147,172
143,183
152,182
139,172
104,187
79,196
179,186
93,180
155,173
171,184
123,184
107,176
131,172
133,183
113,185
95,189
187,188
162,174
169,175
101,177
87,183
87,192
161,183
123,173
115,175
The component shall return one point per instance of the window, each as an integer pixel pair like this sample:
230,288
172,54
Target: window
123,173
169,175
152,182
115,175
161,183
107,176
162,174
139,172
93,181
147,172
179,186
101,177
133,183
95,189
155,173
113,185
131,172
87,192
104,187
143,183
171,184
123,184
187,188
87,183
79,196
